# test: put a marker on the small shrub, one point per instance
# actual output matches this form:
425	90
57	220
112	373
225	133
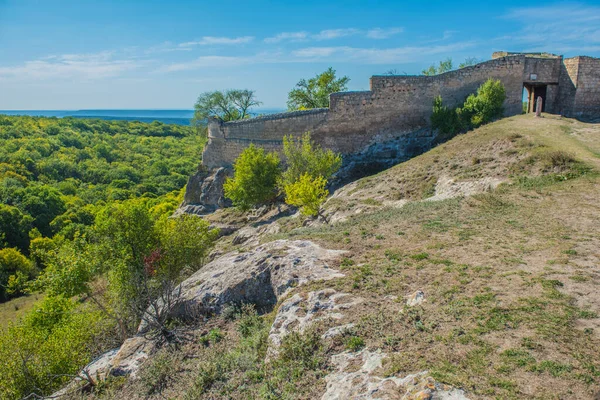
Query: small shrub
305	157
355	343
420	256
308	193
485	106
444	119
254	179
478	109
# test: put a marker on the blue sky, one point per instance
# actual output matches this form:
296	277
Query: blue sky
75	54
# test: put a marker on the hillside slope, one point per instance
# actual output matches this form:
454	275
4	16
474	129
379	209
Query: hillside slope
492	237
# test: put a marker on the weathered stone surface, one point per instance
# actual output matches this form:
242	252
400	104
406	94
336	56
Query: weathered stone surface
259	276
448	188
250	235
415	299
95	371
304	309
131	356
366	382
204	192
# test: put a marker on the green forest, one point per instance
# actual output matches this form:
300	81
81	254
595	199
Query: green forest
84	207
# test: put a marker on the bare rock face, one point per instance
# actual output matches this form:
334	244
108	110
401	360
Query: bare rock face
304	309
260	276
204	192
96	371
130	357
366	381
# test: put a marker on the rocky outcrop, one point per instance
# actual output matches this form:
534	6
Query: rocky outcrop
130	357
204	192
259	276
304	309
366	382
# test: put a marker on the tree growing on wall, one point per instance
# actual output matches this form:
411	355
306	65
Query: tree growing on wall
443	66
469	61
229	105
314	93
447	65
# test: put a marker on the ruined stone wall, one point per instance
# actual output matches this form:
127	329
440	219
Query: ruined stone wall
587	96
228	139
566	86
396	109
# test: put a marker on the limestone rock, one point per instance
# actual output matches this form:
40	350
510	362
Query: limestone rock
96	371
259	276
204	192
448	188
415	299
366	382
304	309
130	357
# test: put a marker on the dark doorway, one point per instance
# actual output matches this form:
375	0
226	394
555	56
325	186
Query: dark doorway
535	91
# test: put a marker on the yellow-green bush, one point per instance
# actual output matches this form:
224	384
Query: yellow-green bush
308	193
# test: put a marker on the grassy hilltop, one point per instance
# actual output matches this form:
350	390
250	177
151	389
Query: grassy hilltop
510	277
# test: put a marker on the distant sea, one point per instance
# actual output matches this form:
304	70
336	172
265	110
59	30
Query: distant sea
179	117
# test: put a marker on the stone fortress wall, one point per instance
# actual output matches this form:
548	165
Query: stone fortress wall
390	122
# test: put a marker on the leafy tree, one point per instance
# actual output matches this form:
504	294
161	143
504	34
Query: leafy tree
305	157
14	227
443	66
478	109
229	105
44	203
308	193
49	347
315	92
445	119
469	61
14	267
255	177
486	105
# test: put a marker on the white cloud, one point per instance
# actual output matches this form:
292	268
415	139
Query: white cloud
216	40
214	61
377	55
323	54
71	67
287	36
329	34
379	33
557	28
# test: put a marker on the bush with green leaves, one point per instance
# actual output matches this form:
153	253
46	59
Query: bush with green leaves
15	271
481	108
48	347
141	256
303	156
308	193
309	167
486	105
444	118
255	177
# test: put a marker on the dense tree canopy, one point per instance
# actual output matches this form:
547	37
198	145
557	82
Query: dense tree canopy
53	172
314	93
